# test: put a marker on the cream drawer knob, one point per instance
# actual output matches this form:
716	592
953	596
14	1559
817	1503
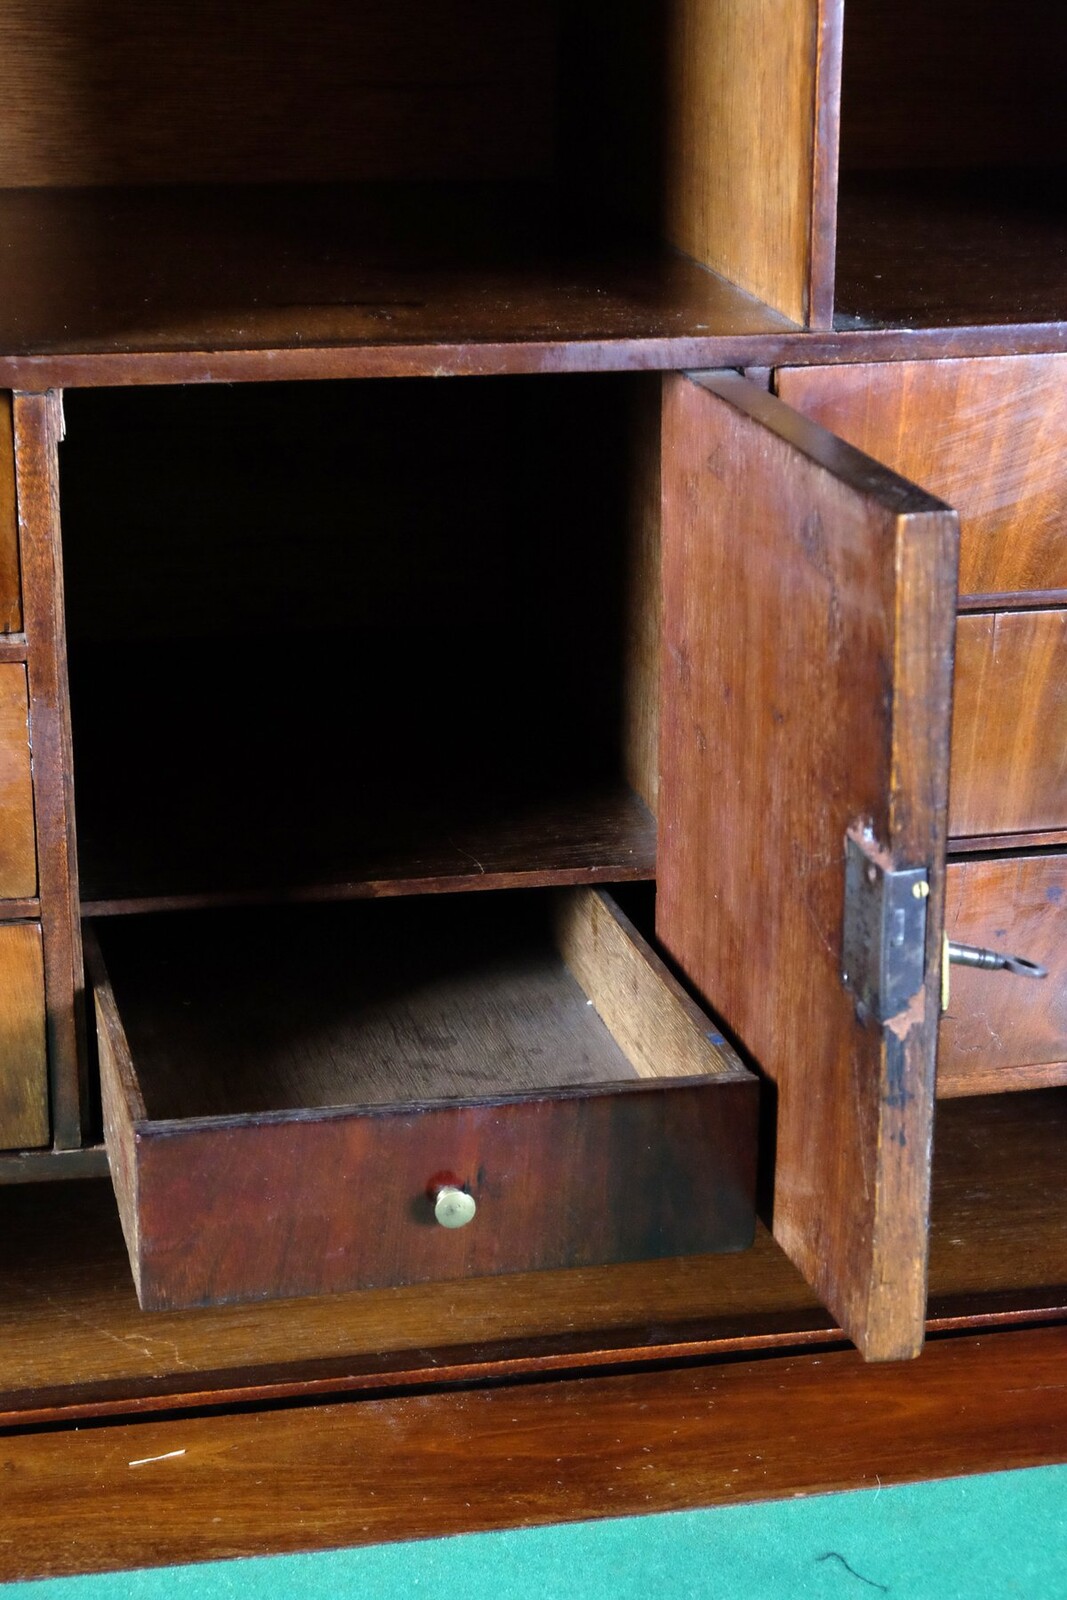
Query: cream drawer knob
453	1207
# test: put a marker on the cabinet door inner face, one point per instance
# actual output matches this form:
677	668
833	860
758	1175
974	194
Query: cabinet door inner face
808	611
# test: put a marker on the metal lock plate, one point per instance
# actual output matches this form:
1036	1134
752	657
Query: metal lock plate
883	952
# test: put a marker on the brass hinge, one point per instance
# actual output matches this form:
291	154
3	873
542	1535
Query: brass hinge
883	951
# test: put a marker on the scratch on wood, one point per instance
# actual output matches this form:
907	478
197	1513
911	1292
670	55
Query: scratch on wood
912	1016
167	1455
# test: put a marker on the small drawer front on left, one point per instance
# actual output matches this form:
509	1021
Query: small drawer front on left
10	592
18	852
313	1099
24	1122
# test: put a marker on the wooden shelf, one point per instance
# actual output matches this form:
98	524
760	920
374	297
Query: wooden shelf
72	1339
264	267
132	862
951	249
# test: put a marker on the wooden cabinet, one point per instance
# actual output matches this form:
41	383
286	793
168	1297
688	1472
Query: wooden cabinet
476	466
985	434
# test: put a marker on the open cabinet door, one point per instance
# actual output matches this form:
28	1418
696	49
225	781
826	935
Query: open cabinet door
809	604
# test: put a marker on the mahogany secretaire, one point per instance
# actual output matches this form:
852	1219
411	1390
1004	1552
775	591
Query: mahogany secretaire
533	761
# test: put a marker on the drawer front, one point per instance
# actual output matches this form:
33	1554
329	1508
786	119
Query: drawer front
1009	732
10	593
257	1150
18	854
989	436
1002	1031
23	1062
312	1207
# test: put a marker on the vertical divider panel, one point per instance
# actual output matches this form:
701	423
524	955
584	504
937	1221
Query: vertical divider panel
38	429
750	151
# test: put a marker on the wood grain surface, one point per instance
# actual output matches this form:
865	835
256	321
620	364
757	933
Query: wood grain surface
10	596
38	428
18	845
989	437
662	1031
24	1120
405	264
239	1085
1002	1031
809	600
73	1341
1009	725
699	119
739	153
643	601
930	249
211	1486
142	94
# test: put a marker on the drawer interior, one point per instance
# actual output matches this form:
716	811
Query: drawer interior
400	1002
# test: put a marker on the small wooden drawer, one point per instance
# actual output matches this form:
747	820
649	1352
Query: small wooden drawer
988	436
18	849
10	588
24	1122
1002	1031
286	1095
1009	730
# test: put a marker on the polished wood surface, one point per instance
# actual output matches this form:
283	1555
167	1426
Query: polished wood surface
365	1472
588	833
18	846
187	269
270	1083
642	593
38	427
10	597
75	1343
1009	726
660	1029
53	1166
809	599
24	1119
944	249
989	437
1002	1031
739	146
317	92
